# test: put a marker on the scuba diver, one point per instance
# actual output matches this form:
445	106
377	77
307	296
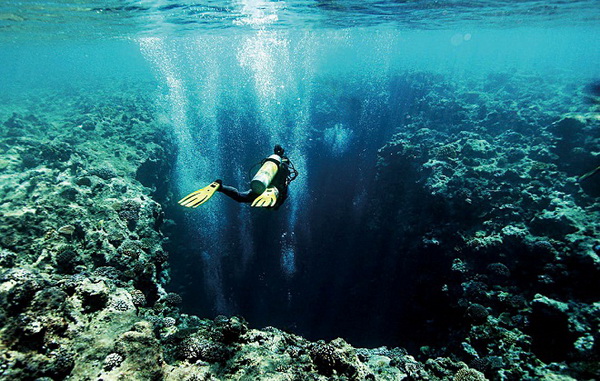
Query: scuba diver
268	188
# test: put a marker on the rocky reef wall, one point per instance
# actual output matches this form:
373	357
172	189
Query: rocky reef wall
81	242
496	230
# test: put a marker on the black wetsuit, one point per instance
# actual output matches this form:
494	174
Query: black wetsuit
280	181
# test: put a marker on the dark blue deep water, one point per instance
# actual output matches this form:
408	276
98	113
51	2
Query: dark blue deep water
355	252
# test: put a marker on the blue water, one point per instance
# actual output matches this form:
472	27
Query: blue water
231	79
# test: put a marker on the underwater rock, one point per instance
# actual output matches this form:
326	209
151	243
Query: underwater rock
66	261
105	173
56	152
552	339
553	223
477	313
29	160
141	353
88	125
567	127
20	291
7	258
193	349
18	125
466	374
84	181
94	296
477	148
337	357
230	329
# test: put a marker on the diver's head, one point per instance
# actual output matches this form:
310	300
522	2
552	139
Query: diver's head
278	150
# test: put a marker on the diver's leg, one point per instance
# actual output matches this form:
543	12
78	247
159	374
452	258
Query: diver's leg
236	195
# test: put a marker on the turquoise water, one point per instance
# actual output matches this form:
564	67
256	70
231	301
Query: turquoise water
101	19
231	79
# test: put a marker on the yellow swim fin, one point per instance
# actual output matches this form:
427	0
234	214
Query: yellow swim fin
200	196
267	199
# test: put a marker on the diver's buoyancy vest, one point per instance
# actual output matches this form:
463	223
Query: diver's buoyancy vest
265	174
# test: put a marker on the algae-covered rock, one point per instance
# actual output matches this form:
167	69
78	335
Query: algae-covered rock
337	357
554	224
139	347
477	148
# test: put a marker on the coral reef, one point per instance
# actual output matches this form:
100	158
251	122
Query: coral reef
81	247
484	184
503	193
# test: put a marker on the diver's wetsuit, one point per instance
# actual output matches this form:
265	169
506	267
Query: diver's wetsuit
231	192
280	181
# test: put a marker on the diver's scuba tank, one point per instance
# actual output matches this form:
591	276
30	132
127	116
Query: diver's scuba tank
265	174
